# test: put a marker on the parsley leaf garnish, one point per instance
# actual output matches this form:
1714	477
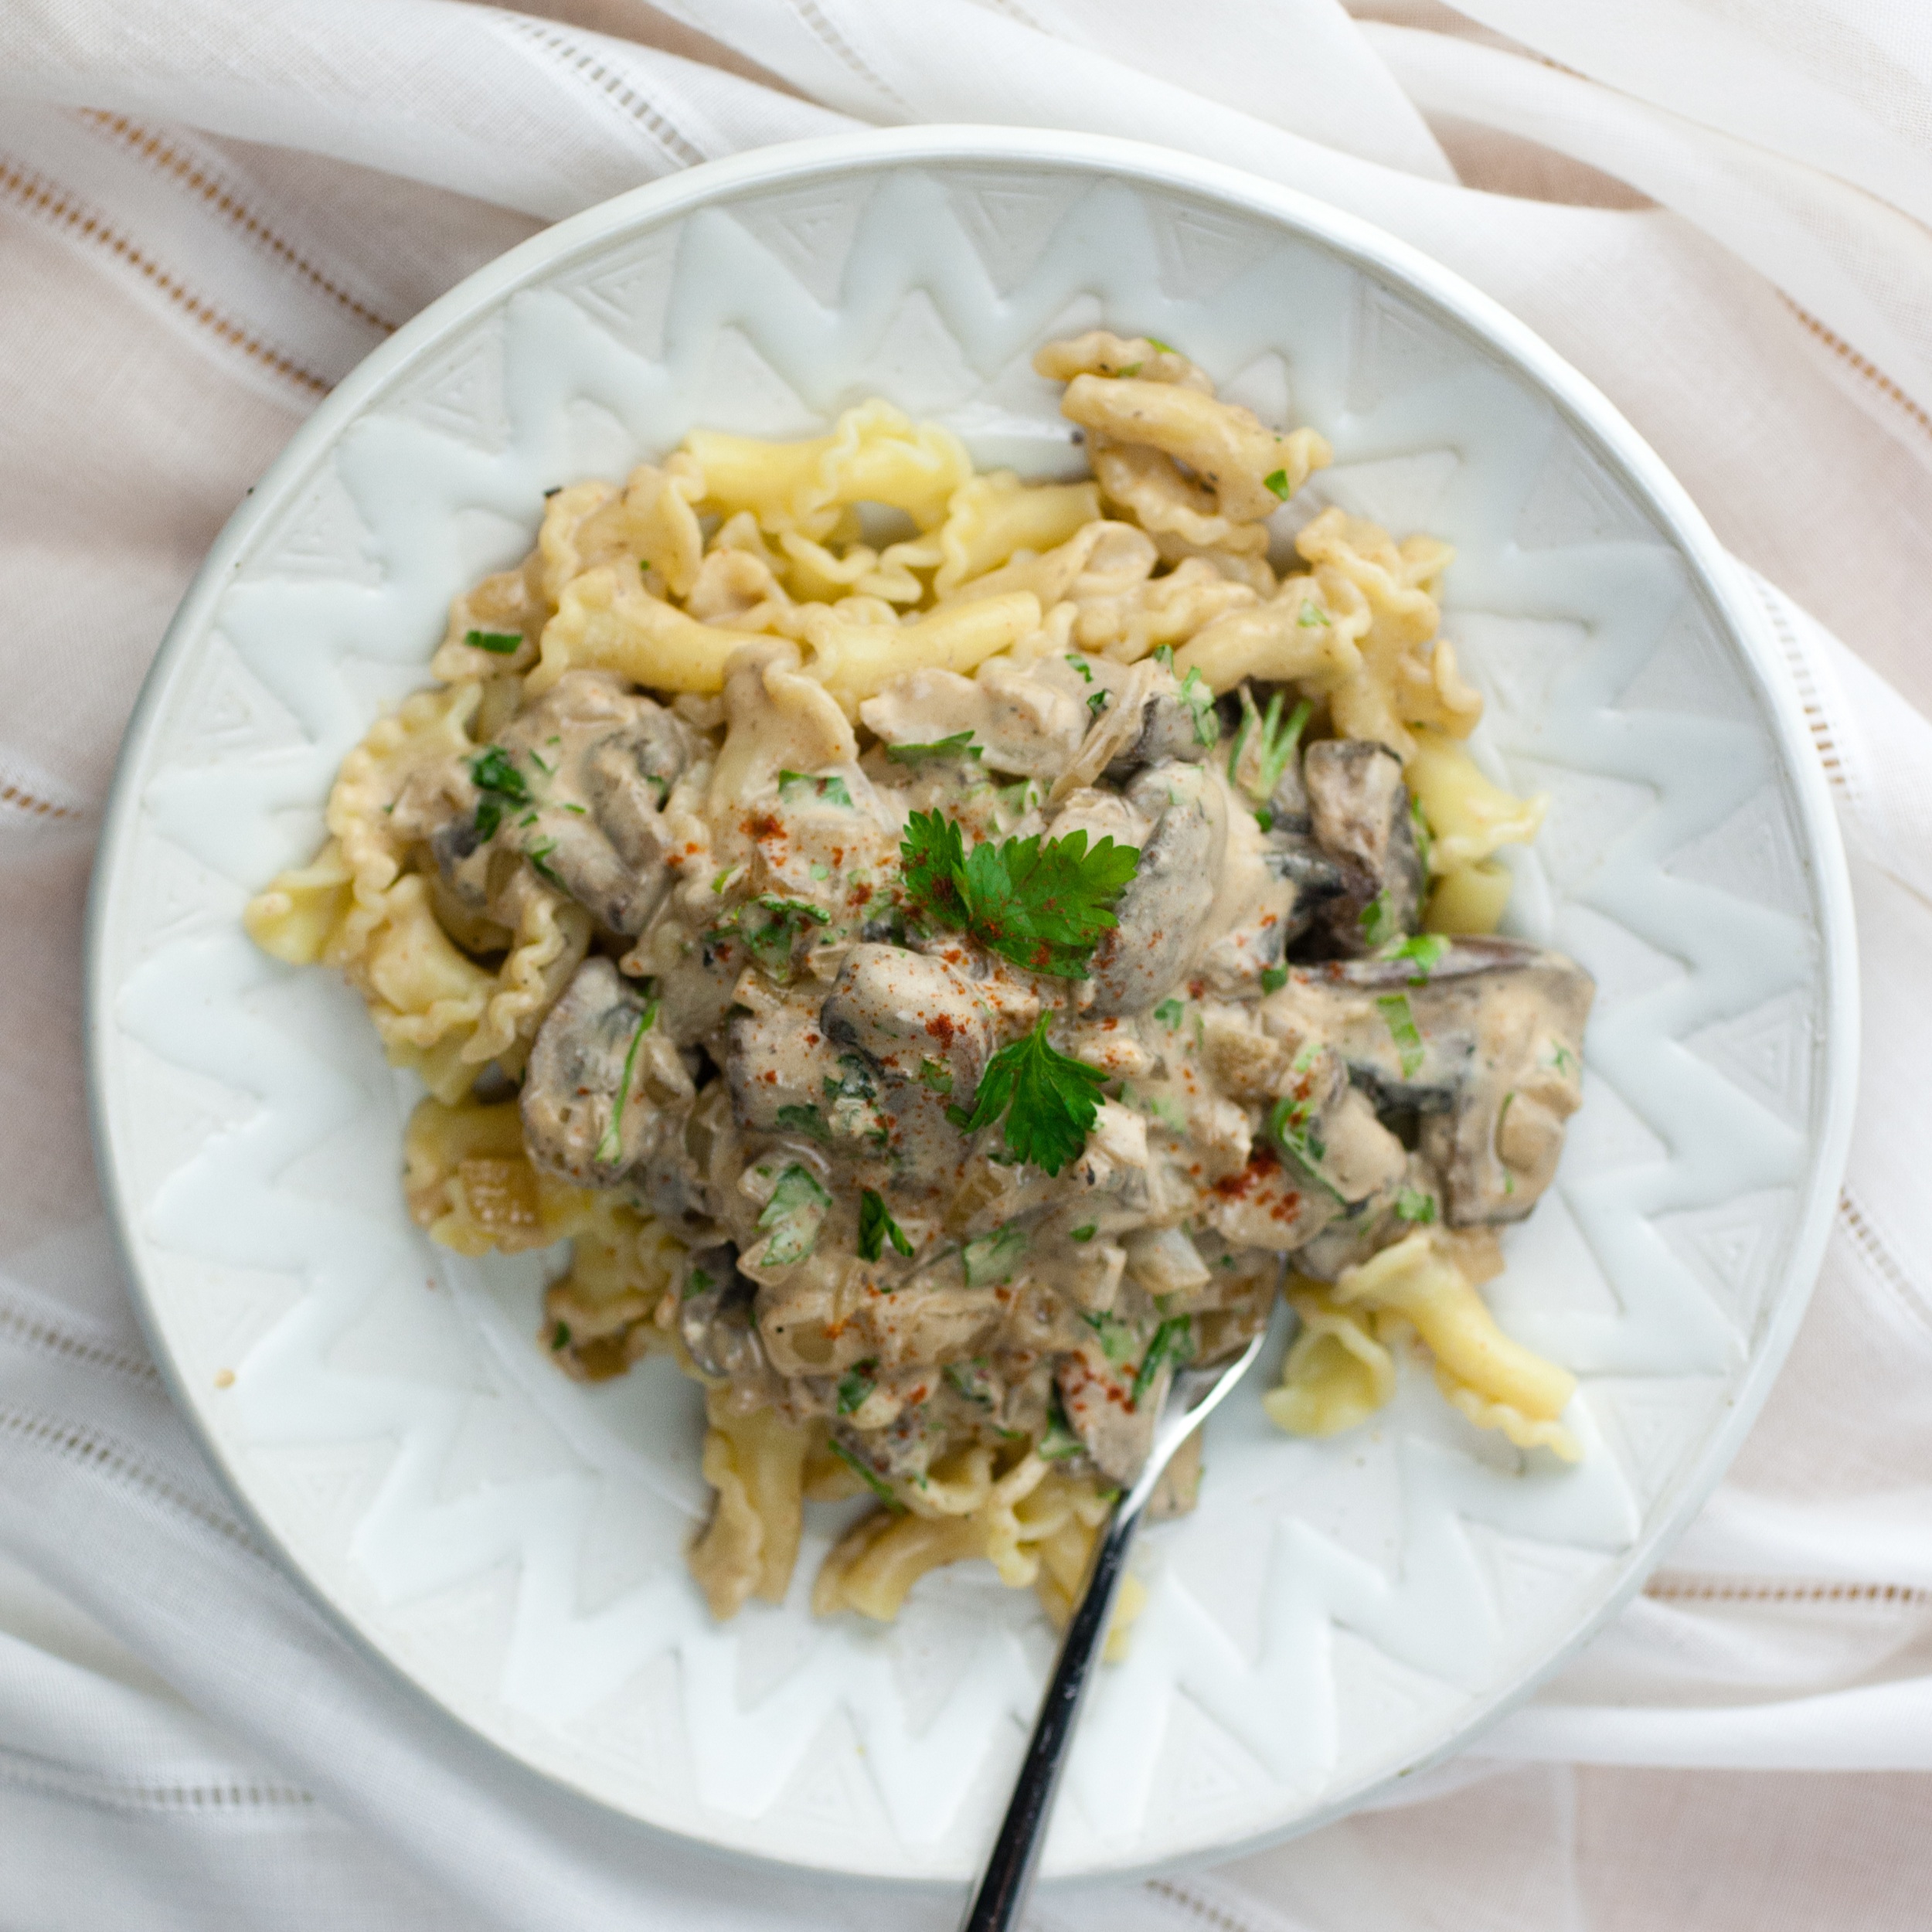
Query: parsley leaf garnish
538	855
610	1142
559	1337
1401	1023
1377	920
864	1472
1425	950
773	938
1413	1205
1277	480
829	786
495	770
1050	1101
1155	341
1130	369
1117	1337
990	1258
1058	1441
792	1217
855	1385
959	746
1086	1233
499	644
877	1227
1198	697
806	1119
1044	904
1274	748
1170	1013
1312	616
1173	1341
1274	978
1080	664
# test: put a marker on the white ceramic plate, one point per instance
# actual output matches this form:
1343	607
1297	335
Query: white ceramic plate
1335	1613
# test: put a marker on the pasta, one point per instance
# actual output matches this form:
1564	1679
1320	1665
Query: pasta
946	952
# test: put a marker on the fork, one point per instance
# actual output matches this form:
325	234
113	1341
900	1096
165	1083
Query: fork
1008	1875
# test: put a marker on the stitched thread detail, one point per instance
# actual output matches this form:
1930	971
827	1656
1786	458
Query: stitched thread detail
1699	1590
34	195
614	86
1879	1258
151	148
27	1330
82	1445
1816	720
115	1795
14	799
1860	365
828	36
1198	1909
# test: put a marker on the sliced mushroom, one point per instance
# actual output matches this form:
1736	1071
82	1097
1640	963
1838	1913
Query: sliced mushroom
603	1088
1359	809
716	1313
1169	730
1168	900
787	1077
1484	1042
1116	1429
914	1018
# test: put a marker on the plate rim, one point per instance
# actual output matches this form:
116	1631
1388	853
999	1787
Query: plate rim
1453	299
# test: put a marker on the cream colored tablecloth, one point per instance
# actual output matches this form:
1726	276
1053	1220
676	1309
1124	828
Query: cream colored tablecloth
211	210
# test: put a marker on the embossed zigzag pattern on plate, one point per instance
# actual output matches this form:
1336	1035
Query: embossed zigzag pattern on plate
1334	1611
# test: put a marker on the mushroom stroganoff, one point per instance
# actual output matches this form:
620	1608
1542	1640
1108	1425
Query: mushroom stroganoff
948	953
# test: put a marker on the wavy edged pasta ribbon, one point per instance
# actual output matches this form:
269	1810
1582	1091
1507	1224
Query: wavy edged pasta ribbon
356	907
1342	1367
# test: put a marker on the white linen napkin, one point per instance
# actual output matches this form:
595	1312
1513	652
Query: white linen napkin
211	210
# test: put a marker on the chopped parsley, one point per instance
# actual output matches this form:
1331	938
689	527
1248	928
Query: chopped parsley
1164	656
1170	1013
538	855
959	746
1050	1101
1425	839
772	939
1080	664
1275	744
1198	697
792	1217
1044	904
610	1142
877	1227
1424	951
936	1077
499	644
501	784
1277	480
559	1337
698	1281
1173	1341
1401	1022
1274	978
866	1472
1059	1442
807	1120
1155	341
1117	1337
1377	920
855	1385
1312	617
1086	1233
1132	369
1097	701
970	1379
828	786
990	1258
1413	1205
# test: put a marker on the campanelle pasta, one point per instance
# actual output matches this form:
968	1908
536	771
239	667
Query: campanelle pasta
945	952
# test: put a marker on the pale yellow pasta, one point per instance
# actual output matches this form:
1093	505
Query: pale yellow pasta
607	622
1527	1432
470	1185
1417	1280
1246	469
1308	631
1469	816
1336	1374
295	915
994	517
873	454
1471	898
857	661
756	1463
759	594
